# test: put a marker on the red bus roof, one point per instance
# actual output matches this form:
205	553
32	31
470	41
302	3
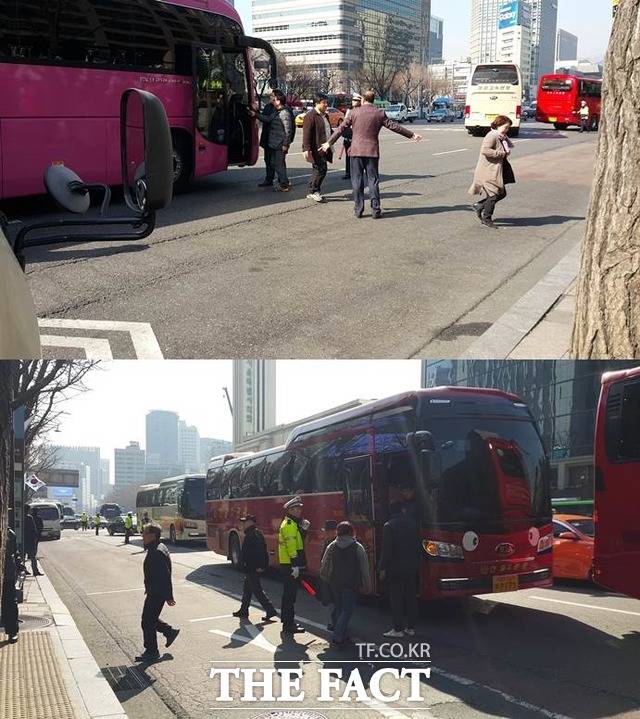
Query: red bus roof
398	400
569	76
616	375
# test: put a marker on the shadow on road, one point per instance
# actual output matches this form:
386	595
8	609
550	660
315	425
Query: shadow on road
536	221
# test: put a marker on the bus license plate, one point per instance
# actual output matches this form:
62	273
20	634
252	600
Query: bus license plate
491	117
508	583
553	119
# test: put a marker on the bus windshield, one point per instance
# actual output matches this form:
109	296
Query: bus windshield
486	472
46	511
492	74
557	85
193	499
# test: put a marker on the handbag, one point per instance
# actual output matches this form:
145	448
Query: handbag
508	176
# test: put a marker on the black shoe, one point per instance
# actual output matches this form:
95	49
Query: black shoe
357	215
376	215
269	616
488	222
478	207
241	615
171	637
330	627
39	574
295	629
265	184
13	640
147	657
346	177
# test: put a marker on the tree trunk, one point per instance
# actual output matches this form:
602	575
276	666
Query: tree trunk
607	321
6	458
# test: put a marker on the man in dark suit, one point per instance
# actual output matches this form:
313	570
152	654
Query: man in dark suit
254	560
316	130
31	538
366	122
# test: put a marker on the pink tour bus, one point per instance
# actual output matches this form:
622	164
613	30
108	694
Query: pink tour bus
64	65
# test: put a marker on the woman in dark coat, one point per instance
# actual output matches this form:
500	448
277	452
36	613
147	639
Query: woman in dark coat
12	564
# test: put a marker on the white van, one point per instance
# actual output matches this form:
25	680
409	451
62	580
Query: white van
51	514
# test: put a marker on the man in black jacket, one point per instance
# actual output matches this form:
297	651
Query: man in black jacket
31	538
12	565
158	590
254	559
400	566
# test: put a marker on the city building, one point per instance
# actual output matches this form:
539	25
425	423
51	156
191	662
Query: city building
544	26
105	485
162	438
254	397
341	38
87	461
483	45
188	447
277	435
210	447
436	36
566	46
451	78
129	466
514	36
562	396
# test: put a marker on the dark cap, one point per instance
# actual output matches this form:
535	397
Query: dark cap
246	517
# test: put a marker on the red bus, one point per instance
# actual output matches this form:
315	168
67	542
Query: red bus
559	98
617	490
64	65
470	463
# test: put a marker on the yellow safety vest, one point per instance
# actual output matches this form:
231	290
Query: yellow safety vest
289	542
128	522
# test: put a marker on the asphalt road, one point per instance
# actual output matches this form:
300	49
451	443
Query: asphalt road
572	651
238	271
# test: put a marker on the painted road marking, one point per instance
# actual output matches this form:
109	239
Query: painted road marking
586	606
94	349
142	337
208	619
115	591
255	637
449	152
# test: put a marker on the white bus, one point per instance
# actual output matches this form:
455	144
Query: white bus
50	513
177	505
494	89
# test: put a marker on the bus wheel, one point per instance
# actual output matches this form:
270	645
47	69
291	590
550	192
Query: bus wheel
182	162
559	125
234	551
172	535
514	132
595	123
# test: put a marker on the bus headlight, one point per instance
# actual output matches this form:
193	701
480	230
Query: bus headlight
545	543
444	550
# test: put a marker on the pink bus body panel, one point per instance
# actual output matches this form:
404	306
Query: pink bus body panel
73	118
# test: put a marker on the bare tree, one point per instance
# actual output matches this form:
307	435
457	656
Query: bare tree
40	387
607	320
410	79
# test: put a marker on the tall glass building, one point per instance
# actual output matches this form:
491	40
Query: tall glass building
343	36
562	396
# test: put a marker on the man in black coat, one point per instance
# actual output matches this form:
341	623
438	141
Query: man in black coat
400	566
254	559
31	539
12	565
158	590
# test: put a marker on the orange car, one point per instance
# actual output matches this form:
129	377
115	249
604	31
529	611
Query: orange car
335	117
572	546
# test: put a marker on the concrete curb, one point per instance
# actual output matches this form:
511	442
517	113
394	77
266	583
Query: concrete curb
97	698
501	339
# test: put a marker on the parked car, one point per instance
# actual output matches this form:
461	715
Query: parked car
573	546
412	114
397	112
440	114
116	525
69	521
335	117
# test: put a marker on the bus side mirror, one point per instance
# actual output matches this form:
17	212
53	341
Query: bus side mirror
421	441
147	160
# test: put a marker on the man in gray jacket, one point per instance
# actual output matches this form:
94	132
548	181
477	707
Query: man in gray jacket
280	130
345	568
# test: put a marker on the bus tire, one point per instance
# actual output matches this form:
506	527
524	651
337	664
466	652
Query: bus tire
234	551
560	125
595	123
514	132
182	161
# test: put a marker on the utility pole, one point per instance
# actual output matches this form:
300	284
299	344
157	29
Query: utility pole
226	392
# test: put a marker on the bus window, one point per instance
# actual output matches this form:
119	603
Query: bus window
356	480
250	480
211	98
623	436
193	499
275	475
495	74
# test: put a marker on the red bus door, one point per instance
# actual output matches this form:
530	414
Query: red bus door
617	487
358	500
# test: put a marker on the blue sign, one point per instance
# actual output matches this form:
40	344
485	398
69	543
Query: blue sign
508	14
61	491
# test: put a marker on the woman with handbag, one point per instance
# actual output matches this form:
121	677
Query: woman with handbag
493	171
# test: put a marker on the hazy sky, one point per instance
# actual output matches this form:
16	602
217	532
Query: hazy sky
590	20
113	412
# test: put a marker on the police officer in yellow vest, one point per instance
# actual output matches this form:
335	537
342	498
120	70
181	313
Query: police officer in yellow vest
292	561
128	527
84	520
97	521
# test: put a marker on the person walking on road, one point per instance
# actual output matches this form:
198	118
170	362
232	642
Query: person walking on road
585	117
97	521
347	137
366	122
399	566
9	605
493	170
128	527
158	591
292	561
316	130
31	541
345	568
254	560
83	521
280	134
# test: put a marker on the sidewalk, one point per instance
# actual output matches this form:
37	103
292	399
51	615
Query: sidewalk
539	325
50	673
